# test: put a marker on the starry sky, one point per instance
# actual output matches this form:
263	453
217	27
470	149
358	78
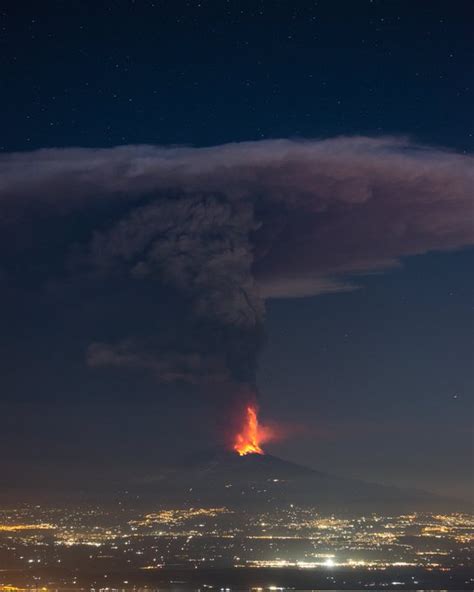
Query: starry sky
374	382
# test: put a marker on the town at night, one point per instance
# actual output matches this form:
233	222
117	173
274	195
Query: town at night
88	546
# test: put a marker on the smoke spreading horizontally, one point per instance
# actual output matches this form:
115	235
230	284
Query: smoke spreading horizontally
228	227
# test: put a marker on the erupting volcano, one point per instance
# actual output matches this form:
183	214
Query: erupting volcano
251	435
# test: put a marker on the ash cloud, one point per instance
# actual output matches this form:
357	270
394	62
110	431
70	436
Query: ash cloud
170	366
229	227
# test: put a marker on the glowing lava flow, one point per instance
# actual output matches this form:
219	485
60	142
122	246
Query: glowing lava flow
248	440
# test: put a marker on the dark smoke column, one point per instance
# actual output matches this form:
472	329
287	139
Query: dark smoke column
199	245
295	218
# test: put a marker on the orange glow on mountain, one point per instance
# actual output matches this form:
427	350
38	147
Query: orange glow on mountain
251	435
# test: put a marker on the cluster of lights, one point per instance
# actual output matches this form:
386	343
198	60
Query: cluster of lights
196	536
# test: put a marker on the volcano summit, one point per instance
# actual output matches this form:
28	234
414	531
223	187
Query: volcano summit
258	480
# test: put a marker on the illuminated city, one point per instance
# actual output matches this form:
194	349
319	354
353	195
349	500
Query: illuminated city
42	546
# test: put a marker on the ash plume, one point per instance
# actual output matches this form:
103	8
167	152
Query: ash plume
227	228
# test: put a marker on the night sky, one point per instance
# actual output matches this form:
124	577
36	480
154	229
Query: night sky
371	370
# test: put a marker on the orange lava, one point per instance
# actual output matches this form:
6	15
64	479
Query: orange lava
252	435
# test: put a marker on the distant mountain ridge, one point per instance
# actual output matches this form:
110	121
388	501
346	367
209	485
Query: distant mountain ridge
225	478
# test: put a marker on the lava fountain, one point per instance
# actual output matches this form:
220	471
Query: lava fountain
252	434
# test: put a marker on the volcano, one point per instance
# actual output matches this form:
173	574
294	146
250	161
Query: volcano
225	478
